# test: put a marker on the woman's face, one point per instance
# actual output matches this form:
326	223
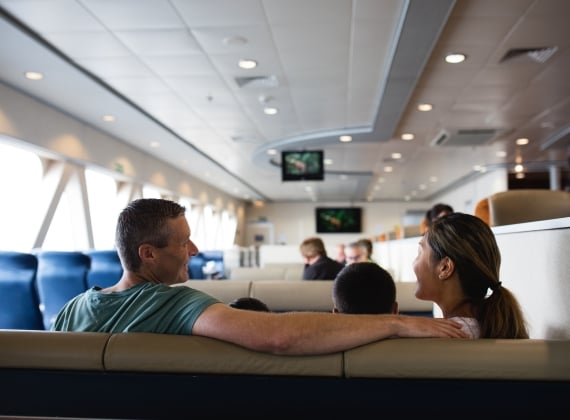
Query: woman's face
425	270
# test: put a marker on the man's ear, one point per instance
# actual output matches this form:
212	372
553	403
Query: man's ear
446	268
146	252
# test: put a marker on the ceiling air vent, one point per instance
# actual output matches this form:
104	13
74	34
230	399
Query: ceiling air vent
463	137
540	54
257	82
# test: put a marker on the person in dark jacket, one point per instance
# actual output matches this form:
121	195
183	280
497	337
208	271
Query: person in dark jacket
318	266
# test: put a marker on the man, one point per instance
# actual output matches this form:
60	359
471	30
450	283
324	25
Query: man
318	266
154	245
356	252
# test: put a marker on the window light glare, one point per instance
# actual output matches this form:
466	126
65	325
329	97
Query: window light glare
455	58
247	64
34	75
345	139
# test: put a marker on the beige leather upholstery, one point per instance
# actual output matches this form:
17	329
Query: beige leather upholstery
407	300
453	358
52	350
294	295
139	352
422	358
224	290
518	206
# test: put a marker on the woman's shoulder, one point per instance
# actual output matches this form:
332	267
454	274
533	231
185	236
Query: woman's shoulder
470	326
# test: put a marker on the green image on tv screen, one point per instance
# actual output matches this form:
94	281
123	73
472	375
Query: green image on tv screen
339	220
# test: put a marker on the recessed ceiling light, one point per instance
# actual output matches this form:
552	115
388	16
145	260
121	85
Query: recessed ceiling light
522	141
33	75
501	153
108	118
247	64
425	107
407	136
235	40
345	139
272	152
388	169
422	186
269	110
328	161
396	155
154	144
519	168
455	58
433	179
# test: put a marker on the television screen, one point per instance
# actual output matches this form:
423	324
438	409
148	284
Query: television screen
306	165
339	219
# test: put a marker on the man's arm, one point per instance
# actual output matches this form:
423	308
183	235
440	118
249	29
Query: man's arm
298	333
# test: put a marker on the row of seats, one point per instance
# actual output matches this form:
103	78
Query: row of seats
34	286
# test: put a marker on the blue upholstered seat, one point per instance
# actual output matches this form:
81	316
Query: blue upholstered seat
106	269
19	302
61	276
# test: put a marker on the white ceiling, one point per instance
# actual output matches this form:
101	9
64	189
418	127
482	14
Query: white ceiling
167	70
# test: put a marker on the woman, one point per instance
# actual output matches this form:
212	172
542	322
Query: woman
457	265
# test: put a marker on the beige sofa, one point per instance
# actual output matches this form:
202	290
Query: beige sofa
304	295
138	375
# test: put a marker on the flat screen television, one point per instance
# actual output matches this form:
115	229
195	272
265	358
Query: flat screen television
339	219
306	165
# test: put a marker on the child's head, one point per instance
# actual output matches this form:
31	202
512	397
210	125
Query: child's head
364	288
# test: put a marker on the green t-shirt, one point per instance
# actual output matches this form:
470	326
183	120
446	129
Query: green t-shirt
146	307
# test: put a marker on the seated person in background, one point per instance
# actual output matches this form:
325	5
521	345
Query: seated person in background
154	246
249	303
364	288
318	266
458	262
367	244
356	252
436	212
340	255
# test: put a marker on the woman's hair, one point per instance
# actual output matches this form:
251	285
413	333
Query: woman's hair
311	247
471	245
364	288
144	221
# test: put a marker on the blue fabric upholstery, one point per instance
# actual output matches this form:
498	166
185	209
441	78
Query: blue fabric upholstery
61	276
19	302
106	269
195	267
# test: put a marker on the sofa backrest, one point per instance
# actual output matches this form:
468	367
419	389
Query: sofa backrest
425	358
304	295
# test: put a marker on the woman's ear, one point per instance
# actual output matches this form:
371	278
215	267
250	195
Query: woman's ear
446	267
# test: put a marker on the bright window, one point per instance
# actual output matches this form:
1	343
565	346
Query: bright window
103	206
20	181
